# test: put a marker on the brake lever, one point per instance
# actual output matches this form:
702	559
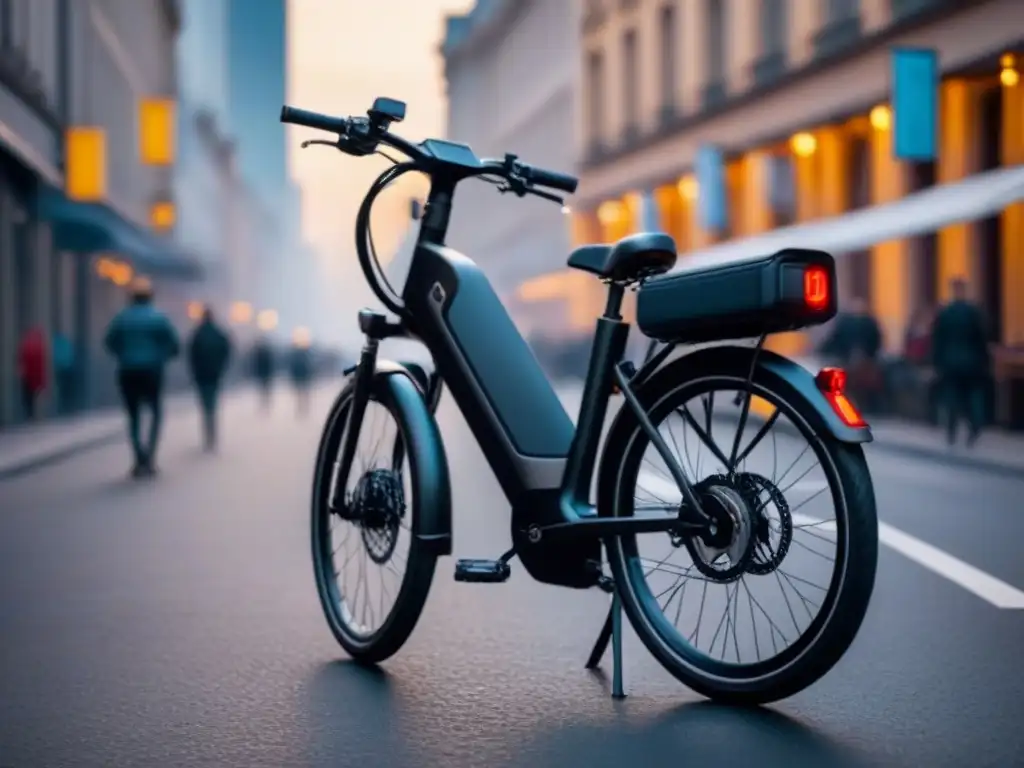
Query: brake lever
547	196
325	142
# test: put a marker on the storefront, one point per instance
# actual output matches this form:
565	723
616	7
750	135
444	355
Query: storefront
813	161
30	130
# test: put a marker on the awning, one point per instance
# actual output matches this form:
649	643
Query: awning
97	228
977	197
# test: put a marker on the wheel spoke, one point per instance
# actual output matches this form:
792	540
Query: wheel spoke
780	577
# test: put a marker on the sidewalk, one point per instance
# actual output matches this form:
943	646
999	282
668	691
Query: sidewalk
996	451
26	448
30	446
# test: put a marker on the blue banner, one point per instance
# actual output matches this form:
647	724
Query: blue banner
712	198
915	102
649	215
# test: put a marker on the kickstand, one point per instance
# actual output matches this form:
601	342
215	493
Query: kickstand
611	631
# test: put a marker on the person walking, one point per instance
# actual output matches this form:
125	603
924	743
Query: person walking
263	369
209	351
960	356
142	340
300	366
31	370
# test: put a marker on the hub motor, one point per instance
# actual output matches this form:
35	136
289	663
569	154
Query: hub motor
723	550
378	504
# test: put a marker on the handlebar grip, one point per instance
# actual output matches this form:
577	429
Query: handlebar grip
553	180
315	120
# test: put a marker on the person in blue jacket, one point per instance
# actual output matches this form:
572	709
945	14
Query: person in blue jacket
142	340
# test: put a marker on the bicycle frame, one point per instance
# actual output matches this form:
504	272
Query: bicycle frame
544	465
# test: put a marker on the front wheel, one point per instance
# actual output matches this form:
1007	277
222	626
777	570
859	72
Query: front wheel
372	574
767	601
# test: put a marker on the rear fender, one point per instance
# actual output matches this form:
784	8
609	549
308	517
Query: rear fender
424	447
773	371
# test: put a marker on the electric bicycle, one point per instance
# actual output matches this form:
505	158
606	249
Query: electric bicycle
578	519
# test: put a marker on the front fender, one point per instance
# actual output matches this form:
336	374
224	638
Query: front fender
424	447
773	371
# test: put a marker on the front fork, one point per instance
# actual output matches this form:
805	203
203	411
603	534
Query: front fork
362	383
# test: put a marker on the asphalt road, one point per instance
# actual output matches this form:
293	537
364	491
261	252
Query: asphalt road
175	623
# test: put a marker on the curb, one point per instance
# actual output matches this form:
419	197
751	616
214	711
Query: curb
938	456
104	438
958	461
34	463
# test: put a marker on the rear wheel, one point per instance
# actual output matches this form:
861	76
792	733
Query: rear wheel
372	574
794	581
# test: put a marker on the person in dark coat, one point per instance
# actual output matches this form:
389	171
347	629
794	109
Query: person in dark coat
263	369
209	351
300	366
856	343
960	355
142	340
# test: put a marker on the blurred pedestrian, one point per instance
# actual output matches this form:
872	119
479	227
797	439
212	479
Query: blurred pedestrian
263	369
64	372
300	365
31	370
142	340
856	343
209	351
961	358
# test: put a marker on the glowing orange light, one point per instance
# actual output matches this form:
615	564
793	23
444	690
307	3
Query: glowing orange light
816	288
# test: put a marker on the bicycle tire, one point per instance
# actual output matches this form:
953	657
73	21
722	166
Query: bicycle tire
815	653
393	633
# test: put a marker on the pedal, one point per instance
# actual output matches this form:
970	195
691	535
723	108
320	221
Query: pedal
482	571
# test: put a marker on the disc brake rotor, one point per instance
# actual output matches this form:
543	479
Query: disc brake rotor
379	502
761	494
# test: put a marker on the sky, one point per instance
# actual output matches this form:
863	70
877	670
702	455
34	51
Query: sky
342	54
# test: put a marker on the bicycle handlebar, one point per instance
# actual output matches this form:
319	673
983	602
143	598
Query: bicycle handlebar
374	132
320	122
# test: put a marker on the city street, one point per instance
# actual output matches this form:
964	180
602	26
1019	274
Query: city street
174	622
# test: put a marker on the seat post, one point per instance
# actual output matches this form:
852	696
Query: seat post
613	307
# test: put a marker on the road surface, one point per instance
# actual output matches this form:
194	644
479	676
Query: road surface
175	623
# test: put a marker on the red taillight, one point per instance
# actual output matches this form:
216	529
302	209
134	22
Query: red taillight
816	288
832	383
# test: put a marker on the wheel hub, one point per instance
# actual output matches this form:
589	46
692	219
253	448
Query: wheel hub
722	551
378	502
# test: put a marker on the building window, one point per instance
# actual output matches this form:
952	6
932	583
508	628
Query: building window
841	10
6	24
771	64
840	27
715	54
630	83
593	15
773	26
668	60
595	98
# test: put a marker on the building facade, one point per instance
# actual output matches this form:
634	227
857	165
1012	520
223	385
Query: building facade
511	71
33	112
794	97
118	213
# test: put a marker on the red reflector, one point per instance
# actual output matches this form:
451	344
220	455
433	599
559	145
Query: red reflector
832	383
816	288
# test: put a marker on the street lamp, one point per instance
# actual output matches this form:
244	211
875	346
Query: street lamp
302	338
241	312
267	320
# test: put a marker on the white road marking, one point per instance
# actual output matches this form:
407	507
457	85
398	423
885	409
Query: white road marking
990	589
